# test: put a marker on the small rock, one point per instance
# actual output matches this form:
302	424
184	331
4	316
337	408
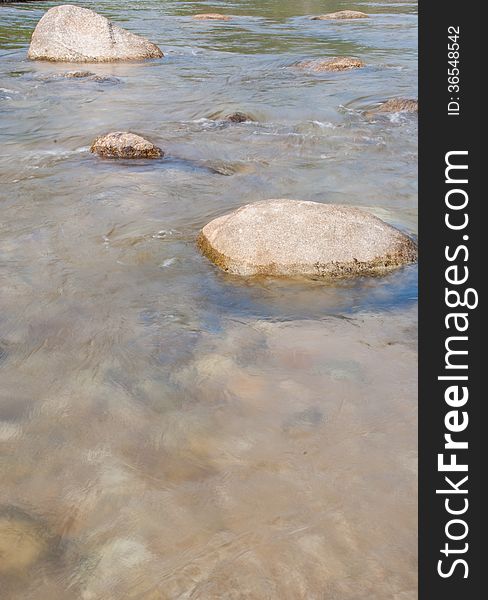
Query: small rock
298	238
238	117
211	17
78	74
121	144
398	105
74	34
88	75
344	63
341	14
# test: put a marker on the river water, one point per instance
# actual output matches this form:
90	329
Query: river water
168	431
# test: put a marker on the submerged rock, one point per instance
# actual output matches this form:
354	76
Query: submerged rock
398	105
341	14
299	238
3	351
89	76
231	168
74	34
238	117
78	74
122	144
344	63
23	542
211	17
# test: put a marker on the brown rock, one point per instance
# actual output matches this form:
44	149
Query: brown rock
344	63
238	117
78	74
342	14
89	76
212	17
74	34
298	238
399	105
121	144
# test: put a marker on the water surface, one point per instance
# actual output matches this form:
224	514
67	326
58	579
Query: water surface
166	430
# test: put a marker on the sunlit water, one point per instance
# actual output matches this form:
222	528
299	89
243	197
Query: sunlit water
168	431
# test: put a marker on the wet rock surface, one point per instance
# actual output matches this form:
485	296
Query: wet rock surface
122	144
89	76
398	105
344	63
211	17
238	117
342	14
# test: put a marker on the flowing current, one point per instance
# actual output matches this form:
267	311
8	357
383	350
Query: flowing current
168	431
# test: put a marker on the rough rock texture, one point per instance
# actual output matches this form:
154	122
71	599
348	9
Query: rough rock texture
212	17
298	238
342	14
344	63
238	117
78	74
74	34
398	105
121	144
89	76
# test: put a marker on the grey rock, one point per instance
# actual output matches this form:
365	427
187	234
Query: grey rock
298	238
74	34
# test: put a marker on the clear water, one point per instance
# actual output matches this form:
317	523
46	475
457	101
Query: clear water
166	430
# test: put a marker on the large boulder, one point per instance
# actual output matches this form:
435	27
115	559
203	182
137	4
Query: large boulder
298	238
342	63
122	144
74	34
341	14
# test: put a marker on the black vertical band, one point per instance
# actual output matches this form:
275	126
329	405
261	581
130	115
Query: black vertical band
452	262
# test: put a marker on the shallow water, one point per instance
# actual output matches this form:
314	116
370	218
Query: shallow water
166	430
